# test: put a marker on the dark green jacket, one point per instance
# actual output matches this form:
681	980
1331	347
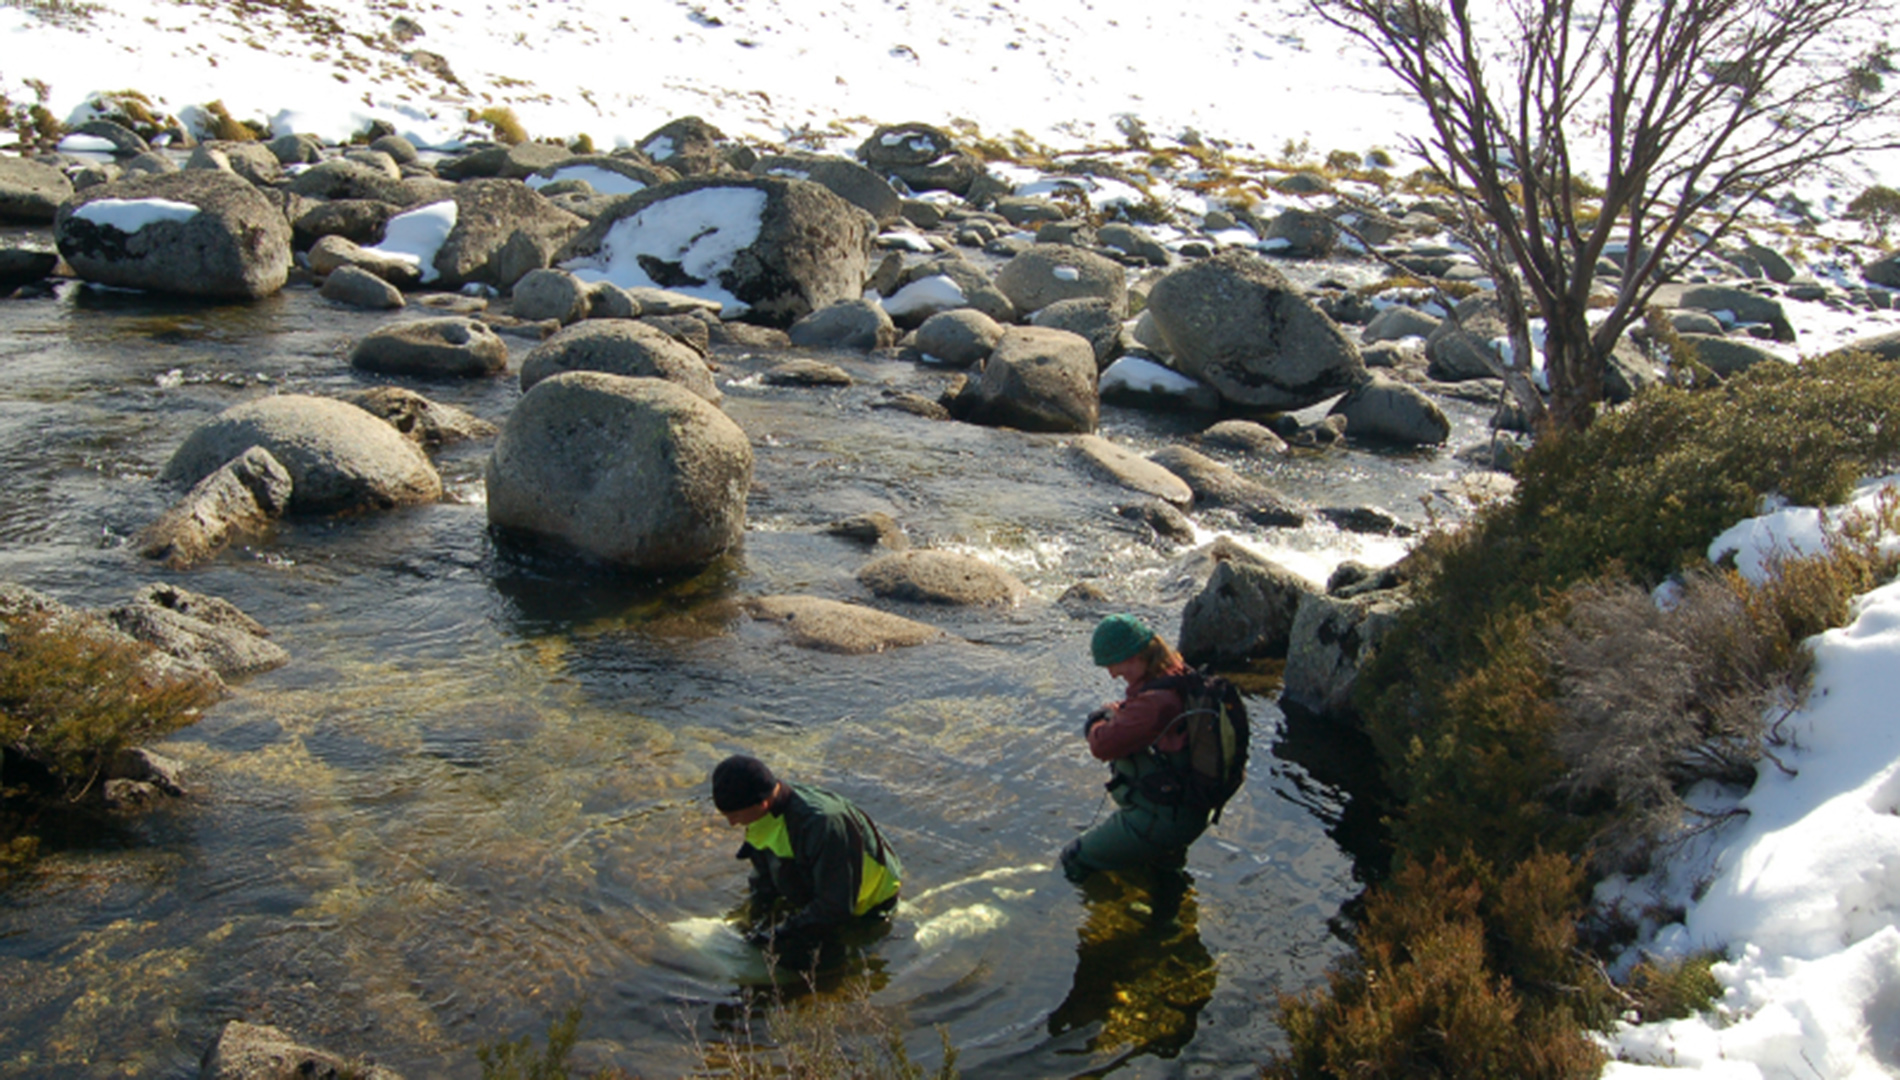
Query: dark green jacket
823	857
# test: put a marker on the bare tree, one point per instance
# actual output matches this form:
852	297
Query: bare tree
1683	113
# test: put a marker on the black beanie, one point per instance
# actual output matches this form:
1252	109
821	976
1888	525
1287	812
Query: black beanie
740	782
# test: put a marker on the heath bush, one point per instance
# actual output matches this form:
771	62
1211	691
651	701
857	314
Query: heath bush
72	695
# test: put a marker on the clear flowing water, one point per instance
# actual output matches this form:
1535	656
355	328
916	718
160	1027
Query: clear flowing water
476	796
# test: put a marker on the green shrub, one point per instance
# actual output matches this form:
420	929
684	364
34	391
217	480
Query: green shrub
1674	990
1451	977
72	696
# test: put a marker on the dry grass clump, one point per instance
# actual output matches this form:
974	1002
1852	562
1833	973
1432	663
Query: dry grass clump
504	123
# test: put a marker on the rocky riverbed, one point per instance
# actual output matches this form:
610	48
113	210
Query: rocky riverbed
556	476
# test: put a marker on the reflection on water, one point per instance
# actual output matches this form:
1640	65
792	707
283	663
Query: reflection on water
477	794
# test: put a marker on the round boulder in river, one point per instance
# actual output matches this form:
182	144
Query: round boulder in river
194	233
31	191
1047	273
1036	380
450	345
620	347
338	456
1236	323
640	472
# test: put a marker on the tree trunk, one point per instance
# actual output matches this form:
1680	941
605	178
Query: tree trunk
1574	368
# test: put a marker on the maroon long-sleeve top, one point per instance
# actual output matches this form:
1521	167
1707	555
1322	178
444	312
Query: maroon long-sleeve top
1140	720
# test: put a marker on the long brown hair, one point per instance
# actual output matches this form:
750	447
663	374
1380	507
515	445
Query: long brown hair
1157	656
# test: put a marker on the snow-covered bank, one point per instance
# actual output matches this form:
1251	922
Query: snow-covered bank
1067	74
1803	893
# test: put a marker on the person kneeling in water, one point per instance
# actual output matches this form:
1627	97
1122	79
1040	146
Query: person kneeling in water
1153	823
813	854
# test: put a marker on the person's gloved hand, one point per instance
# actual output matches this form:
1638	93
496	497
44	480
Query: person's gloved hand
1096	717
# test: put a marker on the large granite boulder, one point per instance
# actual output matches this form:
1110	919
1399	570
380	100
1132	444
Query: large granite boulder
847	324
1236	323
845	178
357	287
502	230
1331	641
1468	347
1035	380
341	178
31	191
1046	273
513	162
605	173
332	253
946	283
551	294
620	347
688	145
1886	346
1727	355
771	250
1884	271
193	233
1389	411
1092	317
1397	323
1742	305
640	472
1244	612
252	161
924	157
339	457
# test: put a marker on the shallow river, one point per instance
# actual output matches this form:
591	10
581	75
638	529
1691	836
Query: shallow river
476	796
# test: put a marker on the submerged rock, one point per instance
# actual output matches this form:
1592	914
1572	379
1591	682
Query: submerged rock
941	577
247	1051
1125	467
832	626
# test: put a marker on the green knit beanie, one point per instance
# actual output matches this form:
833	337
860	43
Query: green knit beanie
1119	637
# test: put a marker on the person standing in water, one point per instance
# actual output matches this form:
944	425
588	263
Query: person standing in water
819	864
1154	820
